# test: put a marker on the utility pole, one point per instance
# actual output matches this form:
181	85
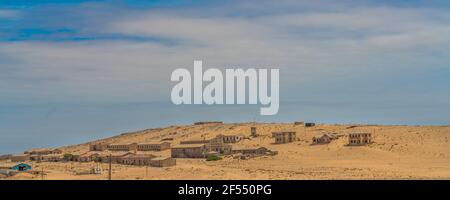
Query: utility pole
110	165
42	172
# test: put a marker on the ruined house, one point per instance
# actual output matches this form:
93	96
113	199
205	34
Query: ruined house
136	159
214	143
254	151
324	138
123	147
358	139
43	151
20	158
153	146
162	162
230	138
253	132
115	157
88	157
284	137
310	124
189	151
98	146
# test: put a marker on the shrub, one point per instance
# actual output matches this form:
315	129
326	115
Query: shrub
213	158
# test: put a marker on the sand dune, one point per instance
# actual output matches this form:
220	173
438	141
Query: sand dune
398	152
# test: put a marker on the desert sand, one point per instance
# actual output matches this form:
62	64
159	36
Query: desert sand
397	152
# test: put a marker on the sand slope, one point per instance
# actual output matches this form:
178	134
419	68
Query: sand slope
398	152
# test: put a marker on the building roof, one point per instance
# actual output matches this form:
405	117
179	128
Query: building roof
188	146
129	143
153	143
161	158
137	156
16	155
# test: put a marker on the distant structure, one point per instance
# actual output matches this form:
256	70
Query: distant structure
5	157
324	138
98	146
252	152
20	158
230	138
153	146
358	139
299	123
208	123
43	151
189	151
310	124
162	162
136	159
284	137
123	147
253	131
218	143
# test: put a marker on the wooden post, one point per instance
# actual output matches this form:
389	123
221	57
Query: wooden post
110	165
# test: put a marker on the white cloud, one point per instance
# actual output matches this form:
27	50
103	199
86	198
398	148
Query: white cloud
308	47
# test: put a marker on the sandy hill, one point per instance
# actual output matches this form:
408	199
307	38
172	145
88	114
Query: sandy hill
398	152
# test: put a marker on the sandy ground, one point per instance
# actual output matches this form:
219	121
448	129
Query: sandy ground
398	152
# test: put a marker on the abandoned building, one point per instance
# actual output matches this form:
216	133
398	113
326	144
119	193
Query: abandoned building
20	158
53	158
162	162
357	139
208	123
254	151
310	124
299	123
324	138
189	151
230	138
115	157
43	151
215	143
98	146
123	147
136	159
153	146
253	132
284	137
88	157
5	157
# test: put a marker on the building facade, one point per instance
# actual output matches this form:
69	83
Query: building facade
137	159
284	137
153	146
189	151
358	139
163	162
123	147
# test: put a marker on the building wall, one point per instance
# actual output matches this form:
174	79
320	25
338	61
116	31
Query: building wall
163	163
154	147
356	139
284	137
123	147
188	152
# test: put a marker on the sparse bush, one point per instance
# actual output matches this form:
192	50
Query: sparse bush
68	157
213	158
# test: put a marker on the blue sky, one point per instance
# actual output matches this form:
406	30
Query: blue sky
73	71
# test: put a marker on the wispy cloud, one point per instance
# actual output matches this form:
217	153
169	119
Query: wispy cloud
9	13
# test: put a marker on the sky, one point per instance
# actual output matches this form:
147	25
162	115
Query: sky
72	71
